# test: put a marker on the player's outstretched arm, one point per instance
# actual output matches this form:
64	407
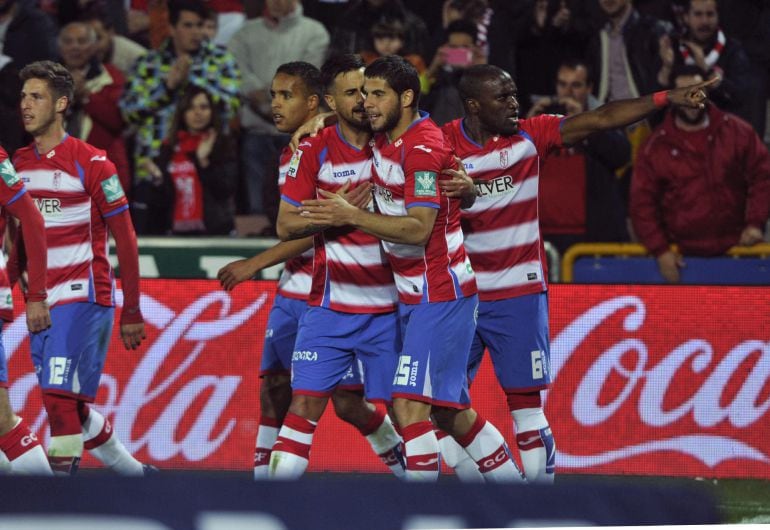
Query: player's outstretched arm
411	229
131	321
626	111
38	315
460	186
243	269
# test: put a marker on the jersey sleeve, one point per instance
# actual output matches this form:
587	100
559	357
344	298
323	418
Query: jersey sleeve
544	131
422	170
302	173
103	184
11	187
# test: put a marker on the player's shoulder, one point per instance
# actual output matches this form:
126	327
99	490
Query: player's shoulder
23	154
85	153
426	137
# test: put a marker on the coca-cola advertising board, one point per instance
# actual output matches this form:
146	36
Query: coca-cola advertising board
648	380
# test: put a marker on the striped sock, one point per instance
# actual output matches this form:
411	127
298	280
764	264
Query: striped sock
421	452
291	451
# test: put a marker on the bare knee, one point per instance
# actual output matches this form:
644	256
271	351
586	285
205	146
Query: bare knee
351	407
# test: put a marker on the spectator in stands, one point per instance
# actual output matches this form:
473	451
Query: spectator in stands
281	36
388	38
705	45
230	17
160	78
111	48
580	196
196	172
477	11
749	22
458	53
701	181
93	115
11	133
210	25
352	31
26	33
548	33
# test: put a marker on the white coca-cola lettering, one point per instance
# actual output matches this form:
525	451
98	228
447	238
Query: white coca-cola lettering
656	382
162	438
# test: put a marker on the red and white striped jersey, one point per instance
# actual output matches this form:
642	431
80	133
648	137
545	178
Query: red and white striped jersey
297	273
11	188
75	187
406	175
351	273
502	232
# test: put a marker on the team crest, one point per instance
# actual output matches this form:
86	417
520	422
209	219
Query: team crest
56	180
425	184
503	159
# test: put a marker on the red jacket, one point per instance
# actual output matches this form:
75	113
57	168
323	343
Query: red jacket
701	201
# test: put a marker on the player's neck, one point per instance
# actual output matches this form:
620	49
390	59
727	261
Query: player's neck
49	139
475	131
355	137
408	117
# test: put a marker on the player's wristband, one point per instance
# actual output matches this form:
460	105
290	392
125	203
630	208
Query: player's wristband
660	99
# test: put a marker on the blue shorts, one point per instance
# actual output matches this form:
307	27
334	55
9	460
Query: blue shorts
3	361
433	364
332	347
280	334
515	330
69	356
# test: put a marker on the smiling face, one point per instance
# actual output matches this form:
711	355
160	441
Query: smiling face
290	103
39	109
497	108
347	99
382	104
77	43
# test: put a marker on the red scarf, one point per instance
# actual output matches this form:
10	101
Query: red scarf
188	200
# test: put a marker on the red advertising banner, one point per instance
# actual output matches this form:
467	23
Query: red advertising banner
647	380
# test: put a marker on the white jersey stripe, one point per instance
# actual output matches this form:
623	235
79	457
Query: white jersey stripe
521	274
68	216
374	296
61	292
69	255
347	254
503	238
54	181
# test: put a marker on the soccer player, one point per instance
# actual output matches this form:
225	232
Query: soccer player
420	230
19	445
502	154
80	198
295	92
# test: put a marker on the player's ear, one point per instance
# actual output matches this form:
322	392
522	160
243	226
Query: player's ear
62	103
313	102
330	102
407	98
472	105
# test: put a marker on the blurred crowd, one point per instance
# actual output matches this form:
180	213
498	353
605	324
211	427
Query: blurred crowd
178	94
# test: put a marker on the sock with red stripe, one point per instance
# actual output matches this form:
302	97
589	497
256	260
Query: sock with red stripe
458	459
24	452
536	444
484	443
100	440
267	434
66	446
385	441
421	452
291	451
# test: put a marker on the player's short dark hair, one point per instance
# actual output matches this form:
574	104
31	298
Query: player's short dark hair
175	8
339	64
463	26
57	77
310	75
474	77
399	74
574	63
680	69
